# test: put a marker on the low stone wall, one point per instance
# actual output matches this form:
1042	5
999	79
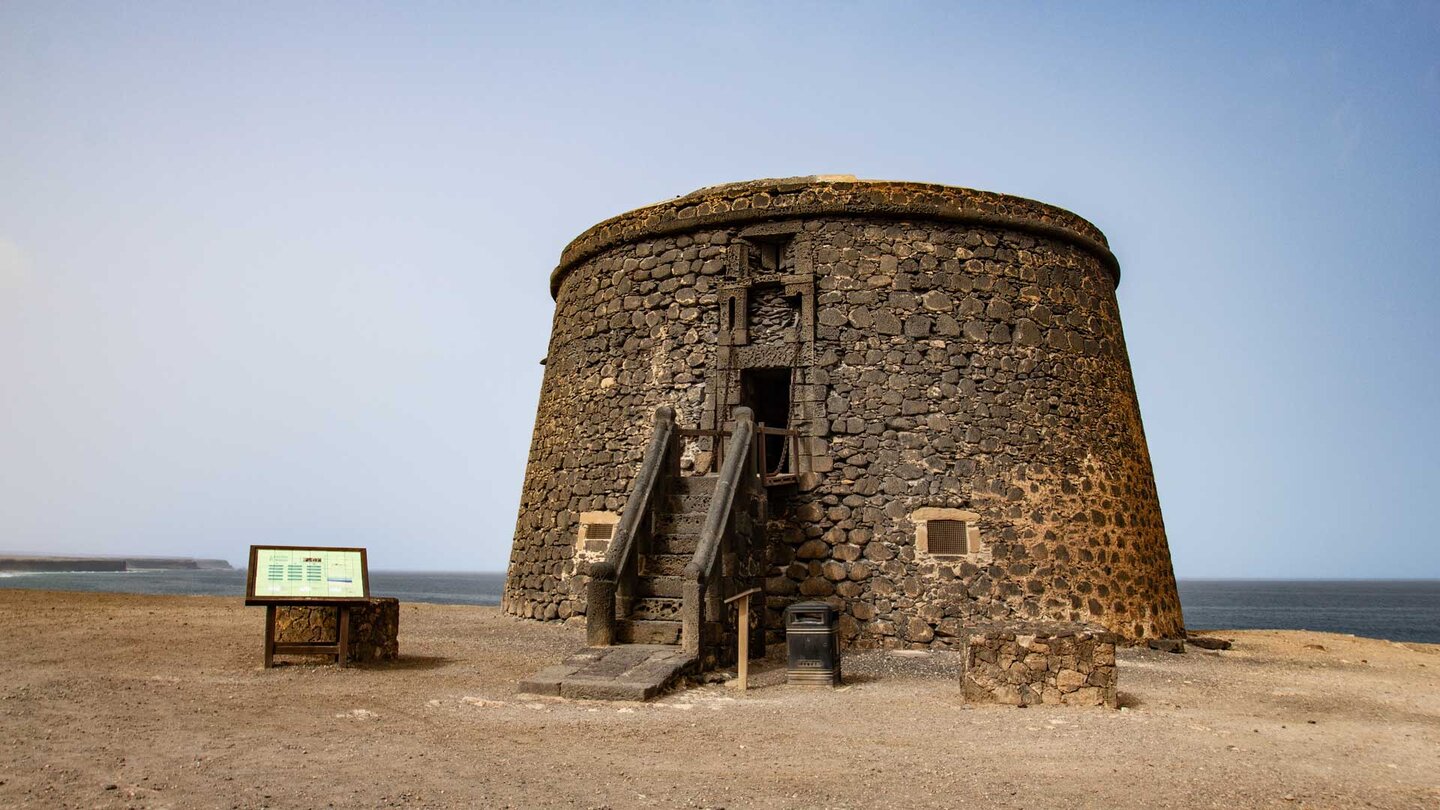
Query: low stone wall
1025	665
374	628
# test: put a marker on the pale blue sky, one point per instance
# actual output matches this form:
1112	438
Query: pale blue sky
277	273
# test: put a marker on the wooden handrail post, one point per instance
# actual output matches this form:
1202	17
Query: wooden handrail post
269	636
760	449
744	663
743	654
342	633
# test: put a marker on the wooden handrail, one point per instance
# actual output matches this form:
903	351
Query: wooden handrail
637	506
605	575
723	500
609	587
792	442
699	575
720	449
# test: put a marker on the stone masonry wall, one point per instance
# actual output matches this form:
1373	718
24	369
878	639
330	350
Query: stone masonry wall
986	371
1027	665
374	627
961	365
634	329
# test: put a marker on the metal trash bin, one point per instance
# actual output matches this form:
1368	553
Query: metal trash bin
812	640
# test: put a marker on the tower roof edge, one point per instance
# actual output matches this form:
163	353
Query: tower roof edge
829	195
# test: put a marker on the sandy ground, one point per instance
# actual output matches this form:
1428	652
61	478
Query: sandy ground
141	701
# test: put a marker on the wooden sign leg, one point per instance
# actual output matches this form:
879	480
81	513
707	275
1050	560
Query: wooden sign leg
744	643
342	625
269	636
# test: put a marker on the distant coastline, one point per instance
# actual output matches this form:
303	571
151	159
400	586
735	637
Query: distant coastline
33	563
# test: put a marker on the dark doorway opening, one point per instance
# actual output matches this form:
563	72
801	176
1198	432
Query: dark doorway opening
766	391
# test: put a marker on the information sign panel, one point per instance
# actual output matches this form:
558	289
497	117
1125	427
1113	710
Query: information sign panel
294	574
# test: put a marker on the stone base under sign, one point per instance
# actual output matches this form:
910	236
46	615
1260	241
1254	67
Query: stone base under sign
1029	664
374	628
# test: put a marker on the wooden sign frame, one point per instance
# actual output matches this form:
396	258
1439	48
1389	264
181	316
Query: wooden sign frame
252	599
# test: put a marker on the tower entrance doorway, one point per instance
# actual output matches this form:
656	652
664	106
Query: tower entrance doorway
766	391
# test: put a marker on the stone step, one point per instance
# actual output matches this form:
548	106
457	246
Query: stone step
687	504
660	586
663	565
648	632
675	543
621	672
655	608
684	522
693	485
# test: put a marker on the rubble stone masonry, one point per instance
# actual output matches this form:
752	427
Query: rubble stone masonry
953	351
374	627
1031	664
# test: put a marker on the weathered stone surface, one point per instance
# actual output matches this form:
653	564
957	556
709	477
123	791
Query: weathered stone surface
626	672
1068	680
547	681
374	628
1027	664
967	353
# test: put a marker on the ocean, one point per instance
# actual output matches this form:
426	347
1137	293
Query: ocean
1400	610
449	588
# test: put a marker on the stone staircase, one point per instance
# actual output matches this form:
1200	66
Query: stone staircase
647	623
655	611
648	658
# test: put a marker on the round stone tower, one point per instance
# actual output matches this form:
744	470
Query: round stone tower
966	443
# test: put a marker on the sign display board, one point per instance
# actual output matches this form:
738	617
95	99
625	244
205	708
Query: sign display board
297	574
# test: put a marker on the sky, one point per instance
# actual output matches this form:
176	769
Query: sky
278	273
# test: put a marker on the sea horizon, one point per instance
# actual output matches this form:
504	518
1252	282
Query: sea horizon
1395	609
463	571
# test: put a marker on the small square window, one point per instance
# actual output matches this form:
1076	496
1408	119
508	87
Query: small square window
947	537
942	531
597	529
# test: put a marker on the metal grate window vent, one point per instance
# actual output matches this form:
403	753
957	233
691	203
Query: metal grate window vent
947	537
595	532
599	531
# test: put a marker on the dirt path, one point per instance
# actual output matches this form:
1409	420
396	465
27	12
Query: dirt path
142	701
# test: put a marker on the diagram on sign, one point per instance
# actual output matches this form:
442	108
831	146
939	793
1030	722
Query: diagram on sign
309	573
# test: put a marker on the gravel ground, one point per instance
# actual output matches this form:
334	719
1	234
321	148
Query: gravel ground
150	702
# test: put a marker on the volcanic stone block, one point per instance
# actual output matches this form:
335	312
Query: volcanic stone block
1029	664
374	627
